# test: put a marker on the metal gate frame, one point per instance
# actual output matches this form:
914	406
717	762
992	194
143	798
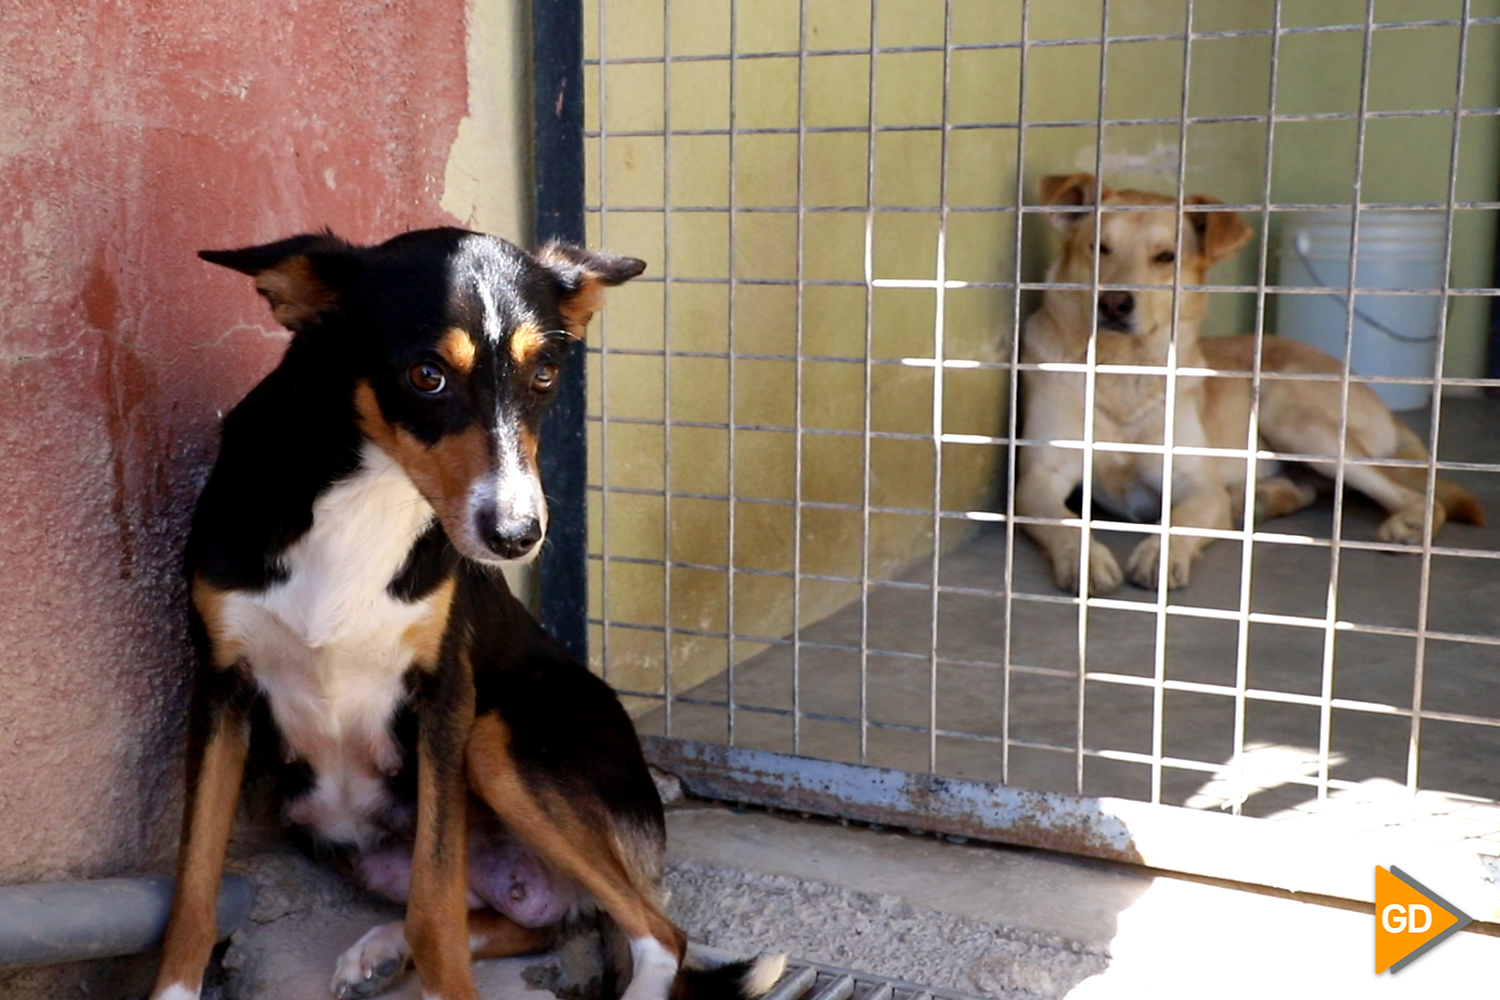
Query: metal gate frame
557	120
1165	837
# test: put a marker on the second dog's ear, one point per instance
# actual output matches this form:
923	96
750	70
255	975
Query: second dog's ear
1066	189
1220	234
581	276
302	278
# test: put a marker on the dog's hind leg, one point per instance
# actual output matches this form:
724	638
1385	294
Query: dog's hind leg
1407	507
494	935
1308	423
585	845
1376	437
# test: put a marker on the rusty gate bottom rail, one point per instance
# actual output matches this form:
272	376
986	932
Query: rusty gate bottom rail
954	806
1171	838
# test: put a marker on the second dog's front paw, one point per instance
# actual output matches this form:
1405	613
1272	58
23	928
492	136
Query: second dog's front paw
1104	570
1144	567
375	962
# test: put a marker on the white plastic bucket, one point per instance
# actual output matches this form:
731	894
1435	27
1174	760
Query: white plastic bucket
1394	335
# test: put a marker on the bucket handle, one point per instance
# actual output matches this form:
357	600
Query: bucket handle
1299	247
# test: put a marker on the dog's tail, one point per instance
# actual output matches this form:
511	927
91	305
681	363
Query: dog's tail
1458	503
744	980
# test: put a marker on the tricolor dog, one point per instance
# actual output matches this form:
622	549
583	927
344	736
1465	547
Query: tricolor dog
347	602
1136	244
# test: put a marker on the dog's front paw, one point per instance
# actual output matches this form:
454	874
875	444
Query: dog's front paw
1144	567
375	962
1104	570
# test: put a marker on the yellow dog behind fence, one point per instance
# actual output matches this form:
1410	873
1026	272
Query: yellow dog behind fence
1138	246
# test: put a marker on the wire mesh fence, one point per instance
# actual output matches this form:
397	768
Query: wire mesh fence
805	423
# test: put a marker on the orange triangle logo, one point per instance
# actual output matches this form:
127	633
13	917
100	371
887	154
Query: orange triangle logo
1410	919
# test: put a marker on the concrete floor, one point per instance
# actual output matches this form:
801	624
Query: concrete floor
1281	739
1023	927
976	919
1025	924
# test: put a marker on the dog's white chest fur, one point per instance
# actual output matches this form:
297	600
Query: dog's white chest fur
329	646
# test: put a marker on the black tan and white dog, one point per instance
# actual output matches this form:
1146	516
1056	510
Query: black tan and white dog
347	601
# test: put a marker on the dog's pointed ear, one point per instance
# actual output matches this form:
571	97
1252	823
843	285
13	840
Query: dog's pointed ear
302	278
581	277
1220	234
1068	189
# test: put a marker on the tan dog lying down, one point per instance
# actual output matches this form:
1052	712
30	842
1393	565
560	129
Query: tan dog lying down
1139	248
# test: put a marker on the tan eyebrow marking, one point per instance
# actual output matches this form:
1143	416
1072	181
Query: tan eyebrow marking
526	343
458	349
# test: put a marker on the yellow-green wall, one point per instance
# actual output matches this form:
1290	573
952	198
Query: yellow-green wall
1405	160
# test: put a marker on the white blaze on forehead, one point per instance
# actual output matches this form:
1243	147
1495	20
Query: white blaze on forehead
491	322
486	267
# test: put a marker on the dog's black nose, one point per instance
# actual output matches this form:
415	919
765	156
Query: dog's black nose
1116	307
508	538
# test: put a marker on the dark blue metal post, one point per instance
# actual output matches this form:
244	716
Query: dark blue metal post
557	79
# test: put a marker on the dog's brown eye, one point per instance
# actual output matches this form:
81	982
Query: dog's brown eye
1103	249
427	379
544	377
1165	257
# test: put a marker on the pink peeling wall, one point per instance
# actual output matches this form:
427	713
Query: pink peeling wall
132	133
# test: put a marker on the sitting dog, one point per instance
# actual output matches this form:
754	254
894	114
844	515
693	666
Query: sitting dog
346	600
1139	246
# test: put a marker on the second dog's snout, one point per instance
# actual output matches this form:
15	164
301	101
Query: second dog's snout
1116	307
508	538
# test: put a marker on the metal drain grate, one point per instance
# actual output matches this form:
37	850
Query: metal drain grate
804	980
